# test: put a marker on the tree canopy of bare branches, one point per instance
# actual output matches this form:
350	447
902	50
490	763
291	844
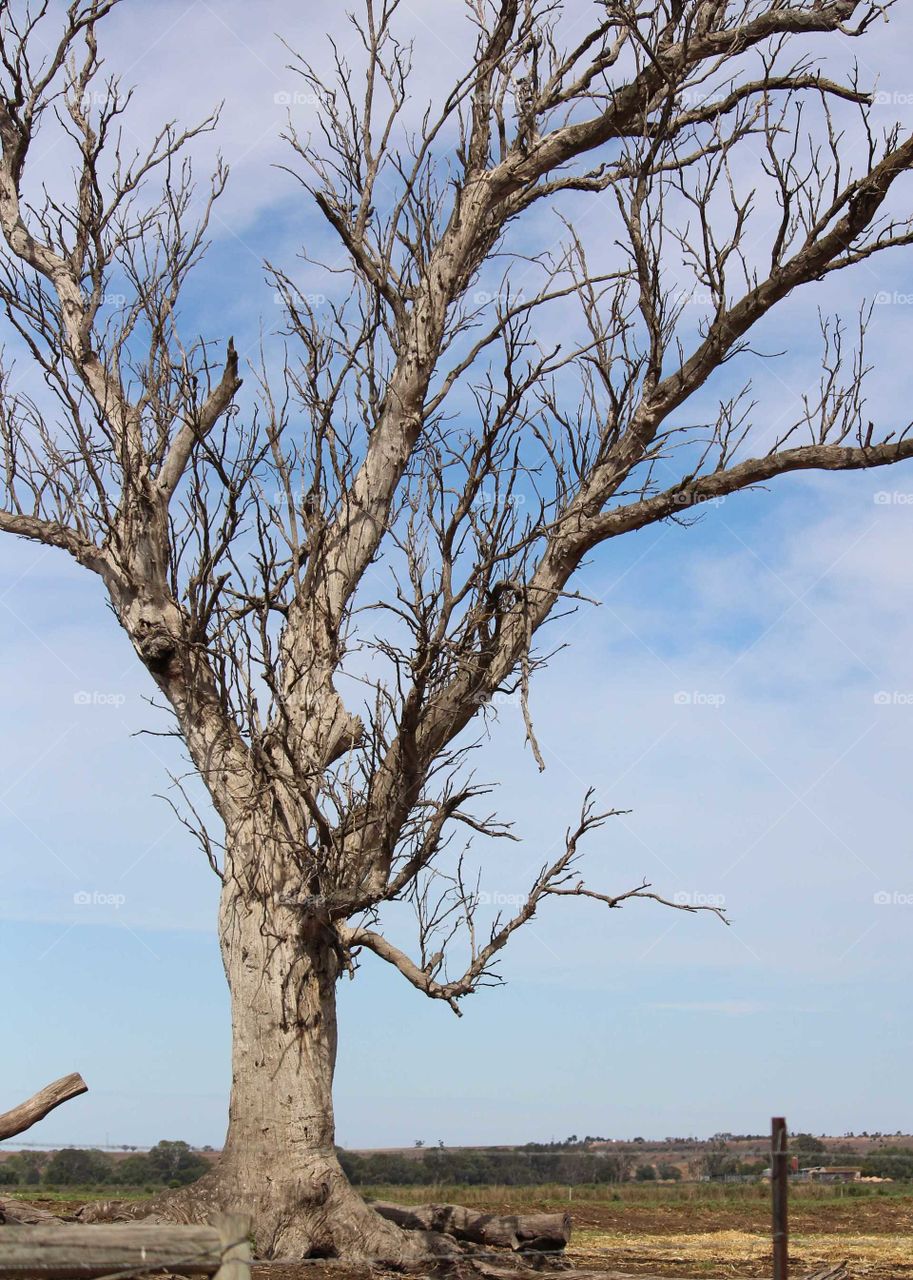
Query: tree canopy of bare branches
404	505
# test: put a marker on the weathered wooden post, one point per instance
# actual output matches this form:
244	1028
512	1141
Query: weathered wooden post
234	1238
779	1186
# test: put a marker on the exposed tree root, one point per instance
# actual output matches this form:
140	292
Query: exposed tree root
336	1222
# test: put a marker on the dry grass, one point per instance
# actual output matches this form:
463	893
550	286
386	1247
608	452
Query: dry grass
739	1253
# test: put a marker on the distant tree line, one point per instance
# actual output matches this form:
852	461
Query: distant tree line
534	1165
176	1164
168	1164
568	1163
889	1162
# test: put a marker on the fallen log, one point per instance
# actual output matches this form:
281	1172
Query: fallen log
78	1253
19	1213
540	1232
38	1106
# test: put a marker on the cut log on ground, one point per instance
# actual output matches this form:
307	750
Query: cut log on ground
541	1232
37	1107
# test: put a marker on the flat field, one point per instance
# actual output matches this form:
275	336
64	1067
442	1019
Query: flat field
675	1230
702	1229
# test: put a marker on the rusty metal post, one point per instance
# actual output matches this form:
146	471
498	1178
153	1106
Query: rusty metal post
779	1186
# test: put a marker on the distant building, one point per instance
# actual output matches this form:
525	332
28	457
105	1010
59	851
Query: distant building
825	1173
831	1173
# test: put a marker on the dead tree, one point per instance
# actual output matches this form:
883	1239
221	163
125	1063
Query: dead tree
425	430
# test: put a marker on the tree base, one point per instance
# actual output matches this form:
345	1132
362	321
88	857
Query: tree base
326	1218
312	1219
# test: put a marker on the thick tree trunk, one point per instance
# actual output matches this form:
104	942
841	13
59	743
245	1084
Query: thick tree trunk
279	1162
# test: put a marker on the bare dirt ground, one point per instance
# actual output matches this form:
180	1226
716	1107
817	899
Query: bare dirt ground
874	1236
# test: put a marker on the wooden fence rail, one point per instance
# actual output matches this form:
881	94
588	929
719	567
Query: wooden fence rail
64	1252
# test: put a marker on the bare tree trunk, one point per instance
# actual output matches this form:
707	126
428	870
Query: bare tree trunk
279	1162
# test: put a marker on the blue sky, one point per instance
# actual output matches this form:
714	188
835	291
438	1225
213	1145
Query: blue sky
743	687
